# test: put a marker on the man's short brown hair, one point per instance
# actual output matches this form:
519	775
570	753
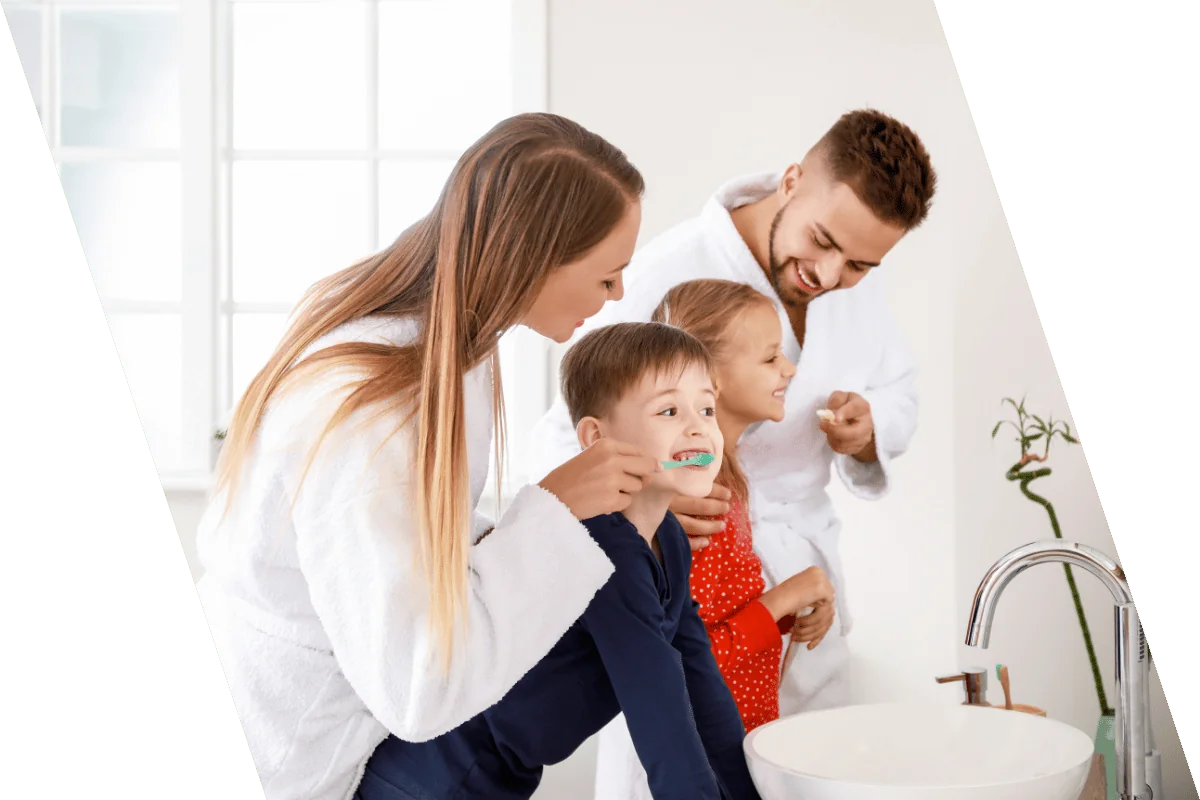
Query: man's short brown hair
884	163
606	363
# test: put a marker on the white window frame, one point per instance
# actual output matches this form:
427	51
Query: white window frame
205	155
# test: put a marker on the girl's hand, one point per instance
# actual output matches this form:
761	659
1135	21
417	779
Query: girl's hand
602	479
806	589
809	588
812	628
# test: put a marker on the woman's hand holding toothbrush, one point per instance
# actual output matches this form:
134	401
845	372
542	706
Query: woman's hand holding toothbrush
602	479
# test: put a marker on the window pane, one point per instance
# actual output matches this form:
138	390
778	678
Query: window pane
444	71
151	351
294	223
26	26
120	78
407	192
254	339
299	75
128	218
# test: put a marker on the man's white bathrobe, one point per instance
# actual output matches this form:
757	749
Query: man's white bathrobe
851	344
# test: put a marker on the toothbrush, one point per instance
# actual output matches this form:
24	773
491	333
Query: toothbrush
1002	674
698	460
825	415
789	655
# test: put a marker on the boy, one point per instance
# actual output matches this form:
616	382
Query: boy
640	648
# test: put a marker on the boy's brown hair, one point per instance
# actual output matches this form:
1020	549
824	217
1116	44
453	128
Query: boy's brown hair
884	163
606	363
707	309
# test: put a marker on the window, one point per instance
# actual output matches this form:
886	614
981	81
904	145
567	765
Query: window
219	156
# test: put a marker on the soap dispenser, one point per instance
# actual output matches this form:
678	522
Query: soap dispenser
974	685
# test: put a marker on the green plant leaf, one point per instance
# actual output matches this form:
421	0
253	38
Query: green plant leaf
1001	424
1036	436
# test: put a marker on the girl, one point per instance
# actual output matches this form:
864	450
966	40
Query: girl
348	590
741	329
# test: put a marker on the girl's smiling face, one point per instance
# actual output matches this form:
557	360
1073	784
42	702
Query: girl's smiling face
671	416
753	371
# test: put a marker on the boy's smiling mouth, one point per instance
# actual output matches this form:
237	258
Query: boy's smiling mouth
684	455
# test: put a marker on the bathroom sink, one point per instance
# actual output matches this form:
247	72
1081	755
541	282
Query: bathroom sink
896	751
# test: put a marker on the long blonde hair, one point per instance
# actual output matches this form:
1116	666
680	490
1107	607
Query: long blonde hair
707	309
534	193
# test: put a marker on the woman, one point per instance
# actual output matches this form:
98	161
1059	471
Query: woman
348	589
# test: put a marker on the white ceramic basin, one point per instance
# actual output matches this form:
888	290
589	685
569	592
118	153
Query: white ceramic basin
918	752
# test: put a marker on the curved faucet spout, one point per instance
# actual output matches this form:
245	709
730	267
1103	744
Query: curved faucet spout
979	630
1131	669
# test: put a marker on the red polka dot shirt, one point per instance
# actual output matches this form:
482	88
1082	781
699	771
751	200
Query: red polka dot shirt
727	582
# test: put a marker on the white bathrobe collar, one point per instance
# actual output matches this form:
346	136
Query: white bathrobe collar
717	218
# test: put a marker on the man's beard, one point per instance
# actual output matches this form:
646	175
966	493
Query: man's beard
775	269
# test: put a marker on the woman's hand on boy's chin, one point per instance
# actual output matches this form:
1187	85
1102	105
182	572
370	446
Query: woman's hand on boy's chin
690	510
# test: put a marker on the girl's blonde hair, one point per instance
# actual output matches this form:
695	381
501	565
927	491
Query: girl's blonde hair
707	309
536	192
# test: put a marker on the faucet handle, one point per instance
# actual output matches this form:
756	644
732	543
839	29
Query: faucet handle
974	685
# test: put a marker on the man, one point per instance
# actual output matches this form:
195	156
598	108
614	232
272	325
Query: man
810	238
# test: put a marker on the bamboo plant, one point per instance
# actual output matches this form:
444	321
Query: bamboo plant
1033	431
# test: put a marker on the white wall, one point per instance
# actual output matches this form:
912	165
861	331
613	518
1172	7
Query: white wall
700	91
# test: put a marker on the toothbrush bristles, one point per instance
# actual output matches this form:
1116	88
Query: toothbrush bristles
698	460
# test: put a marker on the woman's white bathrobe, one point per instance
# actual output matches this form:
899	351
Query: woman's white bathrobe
321	618
851	344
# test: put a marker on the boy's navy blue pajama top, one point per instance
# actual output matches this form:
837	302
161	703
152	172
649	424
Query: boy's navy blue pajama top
639	648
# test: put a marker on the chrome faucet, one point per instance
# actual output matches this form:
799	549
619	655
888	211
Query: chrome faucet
1131	668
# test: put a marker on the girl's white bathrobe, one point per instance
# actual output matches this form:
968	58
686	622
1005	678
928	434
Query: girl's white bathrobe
320	617
851	344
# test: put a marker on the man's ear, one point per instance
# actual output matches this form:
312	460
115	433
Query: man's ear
588	431
790	182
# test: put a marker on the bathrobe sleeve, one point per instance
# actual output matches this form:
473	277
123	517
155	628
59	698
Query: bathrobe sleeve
358	549
891	390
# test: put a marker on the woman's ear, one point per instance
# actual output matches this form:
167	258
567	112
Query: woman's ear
588	431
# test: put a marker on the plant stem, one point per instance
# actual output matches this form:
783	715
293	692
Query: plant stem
1015	474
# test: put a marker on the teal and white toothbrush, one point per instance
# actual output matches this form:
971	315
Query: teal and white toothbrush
698	460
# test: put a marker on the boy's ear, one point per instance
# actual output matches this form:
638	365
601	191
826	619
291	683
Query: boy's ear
588	431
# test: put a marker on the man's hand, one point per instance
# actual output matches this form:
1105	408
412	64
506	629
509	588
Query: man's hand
851	431
813	627
690	511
